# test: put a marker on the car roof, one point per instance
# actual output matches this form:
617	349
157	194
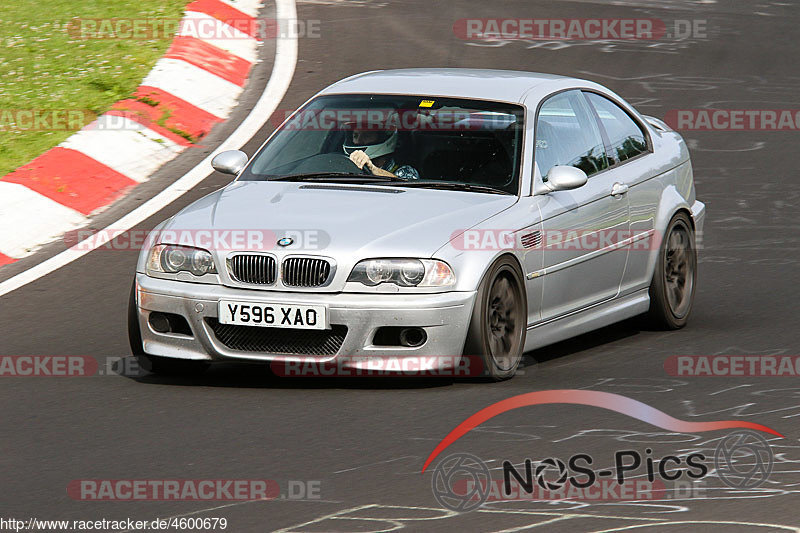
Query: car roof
483	84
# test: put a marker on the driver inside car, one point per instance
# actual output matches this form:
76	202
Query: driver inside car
375	150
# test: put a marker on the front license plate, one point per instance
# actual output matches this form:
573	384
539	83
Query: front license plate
272	315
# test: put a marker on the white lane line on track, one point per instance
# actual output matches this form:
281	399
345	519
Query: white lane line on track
235	504
281	77
378	463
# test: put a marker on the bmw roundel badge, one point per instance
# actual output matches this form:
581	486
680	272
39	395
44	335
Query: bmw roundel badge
286	241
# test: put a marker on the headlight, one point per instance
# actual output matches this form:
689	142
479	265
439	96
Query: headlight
170	259
403	272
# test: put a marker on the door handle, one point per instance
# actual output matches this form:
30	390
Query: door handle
619	189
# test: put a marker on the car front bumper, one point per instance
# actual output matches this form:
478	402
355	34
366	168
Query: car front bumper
699	216
444	317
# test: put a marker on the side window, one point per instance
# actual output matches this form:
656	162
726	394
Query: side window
567	134
626	137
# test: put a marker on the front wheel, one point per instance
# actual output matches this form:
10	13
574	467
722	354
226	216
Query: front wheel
499	321
674	279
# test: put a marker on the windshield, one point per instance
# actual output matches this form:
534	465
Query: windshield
399	140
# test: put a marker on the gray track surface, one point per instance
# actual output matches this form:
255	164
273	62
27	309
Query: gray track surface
365	440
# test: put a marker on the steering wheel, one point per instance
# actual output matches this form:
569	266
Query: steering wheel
364	170
331	162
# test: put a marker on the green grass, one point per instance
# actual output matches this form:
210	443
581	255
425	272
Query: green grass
43	66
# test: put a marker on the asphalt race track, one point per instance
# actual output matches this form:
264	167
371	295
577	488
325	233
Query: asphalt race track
362	442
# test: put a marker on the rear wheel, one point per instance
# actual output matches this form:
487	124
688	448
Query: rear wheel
499	320
674	279
152	363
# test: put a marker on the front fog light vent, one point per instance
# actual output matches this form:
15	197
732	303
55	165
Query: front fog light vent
409	337
169	323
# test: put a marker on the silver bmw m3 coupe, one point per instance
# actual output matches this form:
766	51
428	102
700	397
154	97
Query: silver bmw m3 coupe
429	215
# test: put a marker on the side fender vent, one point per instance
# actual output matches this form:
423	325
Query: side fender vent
531	240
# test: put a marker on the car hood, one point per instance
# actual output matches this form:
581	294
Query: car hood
349	221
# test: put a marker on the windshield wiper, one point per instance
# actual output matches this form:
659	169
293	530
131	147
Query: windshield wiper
455	185
337	176
394	180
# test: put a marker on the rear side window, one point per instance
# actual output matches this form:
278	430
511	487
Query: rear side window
626	138
567	134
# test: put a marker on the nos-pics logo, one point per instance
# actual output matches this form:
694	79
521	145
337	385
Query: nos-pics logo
462	482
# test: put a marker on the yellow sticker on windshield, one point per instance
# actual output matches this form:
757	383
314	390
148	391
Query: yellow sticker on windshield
426	103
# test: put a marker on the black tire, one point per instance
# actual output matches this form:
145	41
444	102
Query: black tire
151	363
675	277
134	334
499	320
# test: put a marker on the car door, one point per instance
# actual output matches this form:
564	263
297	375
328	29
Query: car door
583	263
632	165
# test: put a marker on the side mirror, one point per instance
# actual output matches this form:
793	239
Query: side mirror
564	178
229	162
